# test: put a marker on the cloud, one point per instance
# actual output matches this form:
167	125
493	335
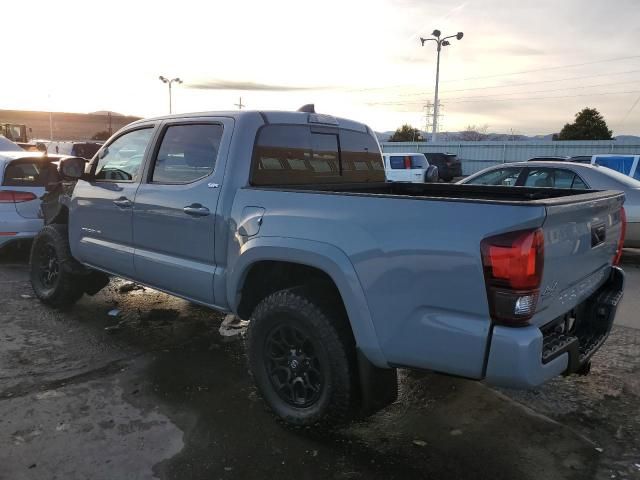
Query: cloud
248	86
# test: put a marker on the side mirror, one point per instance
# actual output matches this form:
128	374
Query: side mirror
72	168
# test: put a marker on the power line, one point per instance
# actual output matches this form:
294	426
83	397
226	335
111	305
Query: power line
624	119
545	98
544	69
491	99
525	83
557	67
552	89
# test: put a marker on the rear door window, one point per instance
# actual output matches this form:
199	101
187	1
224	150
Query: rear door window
418	162
553	178
187	153
396	162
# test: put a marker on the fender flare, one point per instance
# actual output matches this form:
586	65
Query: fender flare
325	257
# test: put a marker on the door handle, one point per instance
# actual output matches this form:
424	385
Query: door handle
123	202
196	210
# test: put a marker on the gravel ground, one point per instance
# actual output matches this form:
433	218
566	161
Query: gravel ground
157	392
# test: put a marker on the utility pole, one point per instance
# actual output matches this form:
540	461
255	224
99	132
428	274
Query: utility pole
240	104
169	82
441	42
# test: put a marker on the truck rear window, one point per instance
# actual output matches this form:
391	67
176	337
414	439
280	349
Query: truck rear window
300	155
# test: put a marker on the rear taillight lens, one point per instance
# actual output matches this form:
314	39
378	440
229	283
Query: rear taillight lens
8	196
513	263
623	232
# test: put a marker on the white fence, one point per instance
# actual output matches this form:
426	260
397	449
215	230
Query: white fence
478	155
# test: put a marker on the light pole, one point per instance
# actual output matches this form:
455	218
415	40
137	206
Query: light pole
441	42
169	82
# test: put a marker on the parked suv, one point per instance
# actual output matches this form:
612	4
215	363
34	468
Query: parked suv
449	167
285	219
409	167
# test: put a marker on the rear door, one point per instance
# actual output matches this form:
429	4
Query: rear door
175	208
399	168
101	213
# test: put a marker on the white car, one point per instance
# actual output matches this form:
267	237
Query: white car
409	167
23	178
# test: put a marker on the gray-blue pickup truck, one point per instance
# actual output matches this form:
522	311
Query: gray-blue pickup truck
285	219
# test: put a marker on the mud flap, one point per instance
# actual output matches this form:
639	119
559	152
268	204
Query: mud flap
378	386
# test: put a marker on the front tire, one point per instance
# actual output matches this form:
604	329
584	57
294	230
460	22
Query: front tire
302	359
53	271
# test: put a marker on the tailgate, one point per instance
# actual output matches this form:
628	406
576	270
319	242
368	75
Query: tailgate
580	240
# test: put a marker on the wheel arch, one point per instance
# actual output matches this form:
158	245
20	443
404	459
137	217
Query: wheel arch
320	260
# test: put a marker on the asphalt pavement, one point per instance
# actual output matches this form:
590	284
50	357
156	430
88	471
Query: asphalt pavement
153	390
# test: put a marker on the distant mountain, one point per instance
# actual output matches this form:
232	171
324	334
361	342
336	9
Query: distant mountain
628	138
495	137
107	112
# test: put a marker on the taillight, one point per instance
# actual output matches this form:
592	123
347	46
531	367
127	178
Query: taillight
513	263
8	196
623	232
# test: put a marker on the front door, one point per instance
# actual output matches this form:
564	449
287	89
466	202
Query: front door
101	212
175	210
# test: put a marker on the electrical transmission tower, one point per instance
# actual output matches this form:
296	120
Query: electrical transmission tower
429	116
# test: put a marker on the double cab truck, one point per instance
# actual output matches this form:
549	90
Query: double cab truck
285	219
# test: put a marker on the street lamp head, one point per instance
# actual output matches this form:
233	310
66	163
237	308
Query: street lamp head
436	33
177	80
460	35
446	43
164	80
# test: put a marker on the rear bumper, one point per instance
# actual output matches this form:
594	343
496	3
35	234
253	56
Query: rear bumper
527	357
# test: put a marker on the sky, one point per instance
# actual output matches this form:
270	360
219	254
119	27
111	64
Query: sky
523	66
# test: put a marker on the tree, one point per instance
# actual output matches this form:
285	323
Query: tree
474	133
102	135
406	133
589	125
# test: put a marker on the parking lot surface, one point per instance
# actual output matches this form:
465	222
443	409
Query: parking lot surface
135	384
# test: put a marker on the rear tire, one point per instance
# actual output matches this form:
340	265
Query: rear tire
302	359
55	275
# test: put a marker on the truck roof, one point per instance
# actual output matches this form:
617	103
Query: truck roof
270	116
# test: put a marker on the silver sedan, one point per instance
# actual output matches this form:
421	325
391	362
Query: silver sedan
568	175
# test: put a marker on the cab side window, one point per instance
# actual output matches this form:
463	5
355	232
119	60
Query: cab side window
122	159
187	153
